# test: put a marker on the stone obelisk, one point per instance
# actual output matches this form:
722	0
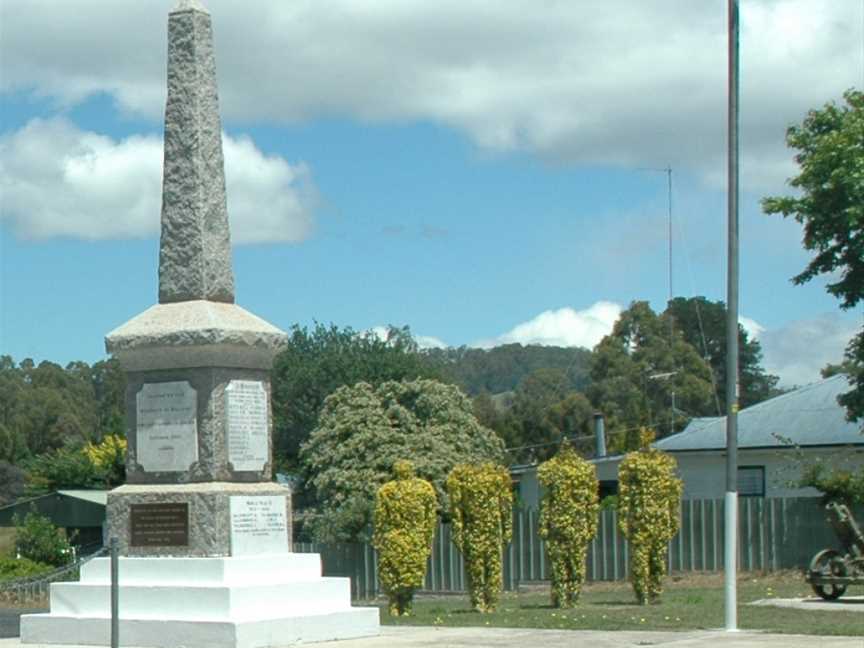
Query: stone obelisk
204	534
198	398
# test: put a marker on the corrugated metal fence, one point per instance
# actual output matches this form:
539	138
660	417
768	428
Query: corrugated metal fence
774	534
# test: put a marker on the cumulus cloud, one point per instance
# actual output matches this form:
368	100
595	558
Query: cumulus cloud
423	341
799	350
564	327
754	329
621	83
60	181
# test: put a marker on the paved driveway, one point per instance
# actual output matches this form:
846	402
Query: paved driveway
427	637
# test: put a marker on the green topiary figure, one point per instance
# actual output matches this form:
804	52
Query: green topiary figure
649	501
405	516
568	520
481	503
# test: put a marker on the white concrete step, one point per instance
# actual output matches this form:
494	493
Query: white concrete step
286	630
285	568
205	601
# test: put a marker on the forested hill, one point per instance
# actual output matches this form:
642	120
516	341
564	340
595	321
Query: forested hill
502	369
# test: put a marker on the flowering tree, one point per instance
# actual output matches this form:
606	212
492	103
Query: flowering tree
363	430
568	520
405	515
481	502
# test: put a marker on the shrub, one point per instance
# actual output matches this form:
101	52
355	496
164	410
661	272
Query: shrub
37	539
15	568
405	516
649	501
568	520
481	504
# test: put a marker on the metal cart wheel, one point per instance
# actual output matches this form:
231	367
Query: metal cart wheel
827	563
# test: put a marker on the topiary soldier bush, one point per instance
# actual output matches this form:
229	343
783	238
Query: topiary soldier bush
481	504
649	502
405	517
568	520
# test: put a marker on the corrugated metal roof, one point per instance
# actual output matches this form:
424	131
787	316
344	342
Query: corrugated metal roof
807	416
95	496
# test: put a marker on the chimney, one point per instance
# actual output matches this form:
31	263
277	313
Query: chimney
599	435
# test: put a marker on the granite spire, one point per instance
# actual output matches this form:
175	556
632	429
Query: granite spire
195	246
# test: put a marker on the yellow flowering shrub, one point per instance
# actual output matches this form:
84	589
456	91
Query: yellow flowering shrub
568	520
109	458
649	501
405	516
481	504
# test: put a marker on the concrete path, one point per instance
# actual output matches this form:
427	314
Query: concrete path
430	637
844	604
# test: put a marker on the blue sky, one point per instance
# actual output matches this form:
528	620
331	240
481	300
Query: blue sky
478	170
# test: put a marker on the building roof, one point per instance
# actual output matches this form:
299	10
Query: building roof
807	416
66	508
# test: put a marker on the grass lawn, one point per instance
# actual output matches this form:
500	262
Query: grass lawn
688	603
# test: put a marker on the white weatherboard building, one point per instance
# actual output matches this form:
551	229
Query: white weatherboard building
777	438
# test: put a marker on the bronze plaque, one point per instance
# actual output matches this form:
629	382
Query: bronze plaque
159	525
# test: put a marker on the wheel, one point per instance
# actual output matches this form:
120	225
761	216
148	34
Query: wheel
828	563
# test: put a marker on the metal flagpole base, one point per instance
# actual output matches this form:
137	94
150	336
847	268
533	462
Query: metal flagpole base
730	558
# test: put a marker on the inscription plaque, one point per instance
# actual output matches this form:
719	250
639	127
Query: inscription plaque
167	434
159	525
247	424
258	525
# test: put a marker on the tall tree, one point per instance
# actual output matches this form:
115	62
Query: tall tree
544	412
829	203
638	368
703	325
315	363
503	368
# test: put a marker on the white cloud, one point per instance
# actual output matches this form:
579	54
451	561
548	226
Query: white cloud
754	329
60	181
423	341
625	82
430	342
564	327
799	350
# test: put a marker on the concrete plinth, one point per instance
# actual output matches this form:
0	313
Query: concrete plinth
239	602
209	515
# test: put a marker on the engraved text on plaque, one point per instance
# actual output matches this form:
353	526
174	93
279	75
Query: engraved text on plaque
159	525
167	436
247	424
258	525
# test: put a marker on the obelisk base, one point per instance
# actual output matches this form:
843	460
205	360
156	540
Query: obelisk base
249	602
196	520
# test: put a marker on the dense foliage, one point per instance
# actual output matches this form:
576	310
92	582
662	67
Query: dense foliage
47	407
636	370
37	539
838	485
405	520
829	203
96	465
503	368
568	520
316	363
703	325
12	568
363	430
649	501
481	501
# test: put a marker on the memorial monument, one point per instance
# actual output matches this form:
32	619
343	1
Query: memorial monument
204	534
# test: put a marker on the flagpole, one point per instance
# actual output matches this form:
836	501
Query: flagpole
730	553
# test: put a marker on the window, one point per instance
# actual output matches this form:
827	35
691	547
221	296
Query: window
751	481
